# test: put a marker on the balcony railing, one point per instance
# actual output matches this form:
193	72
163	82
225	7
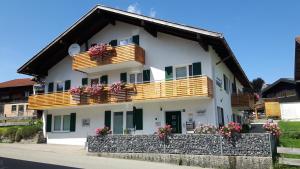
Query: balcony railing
244	100
125	56
200	86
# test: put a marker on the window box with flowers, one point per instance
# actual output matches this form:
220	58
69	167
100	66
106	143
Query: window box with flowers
98	51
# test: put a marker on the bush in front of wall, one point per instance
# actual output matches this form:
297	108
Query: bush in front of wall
10	133
164	132
103	131
205	129
230	130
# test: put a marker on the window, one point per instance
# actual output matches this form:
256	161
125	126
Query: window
125	41
27	93
67	85
59	86
129	120
57	123
21	108
226	83
66	122
84	81
132	78
136	78
14	108
94	81
50	87
181	72
221	116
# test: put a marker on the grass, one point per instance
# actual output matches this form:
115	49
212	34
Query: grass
290	134
290	156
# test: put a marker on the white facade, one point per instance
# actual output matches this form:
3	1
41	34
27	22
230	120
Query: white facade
160	52
290	111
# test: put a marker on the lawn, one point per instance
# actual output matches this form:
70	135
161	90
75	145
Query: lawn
290	134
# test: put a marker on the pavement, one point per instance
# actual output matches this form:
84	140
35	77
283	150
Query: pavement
66	157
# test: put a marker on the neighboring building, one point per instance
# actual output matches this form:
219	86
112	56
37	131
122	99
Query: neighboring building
14	98
175	74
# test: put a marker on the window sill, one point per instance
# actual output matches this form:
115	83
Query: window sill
60	131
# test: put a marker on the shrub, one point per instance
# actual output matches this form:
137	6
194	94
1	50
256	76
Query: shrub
205	129
230	130
272	128
164	132
103	131
10	133
18	136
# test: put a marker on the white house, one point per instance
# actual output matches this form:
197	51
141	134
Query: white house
174	74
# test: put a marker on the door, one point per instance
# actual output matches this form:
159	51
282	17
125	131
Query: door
118	123
173	118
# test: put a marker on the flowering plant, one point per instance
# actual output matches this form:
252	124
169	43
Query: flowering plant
103	131
256	96
163	132
205	129
77	90
272	128
116	88
94	90
97	51
232	128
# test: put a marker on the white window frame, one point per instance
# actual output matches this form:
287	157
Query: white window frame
135	77
61	123
178	66
128	39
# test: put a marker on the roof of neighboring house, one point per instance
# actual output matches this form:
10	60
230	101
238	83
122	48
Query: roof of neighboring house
297	58
281	80
100	16
17	83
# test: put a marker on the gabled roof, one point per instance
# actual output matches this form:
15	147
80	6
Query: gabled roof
100	16
281	80
17	83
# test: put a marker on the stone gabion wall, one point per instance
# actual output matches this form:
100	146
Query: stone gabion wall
192	144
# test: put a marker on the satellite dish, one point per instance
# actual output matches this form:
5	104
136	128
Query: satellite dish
74	49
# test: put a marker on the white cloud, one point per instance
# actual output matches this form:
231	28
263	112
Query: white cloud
152	13
134	8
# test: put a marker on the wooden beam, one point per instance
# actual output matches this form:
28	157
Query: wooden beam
201	42
150	29
223	60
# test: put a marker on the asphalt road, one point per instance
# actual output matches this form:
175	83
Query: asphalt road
33	156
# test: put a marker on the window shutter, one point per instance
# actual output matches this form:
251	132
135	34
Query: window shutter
73	122
84	81
107	119
136	39
104	79
123	77
49	123
113	42
50	87
138	119
169	73
197	69
146	75
67	85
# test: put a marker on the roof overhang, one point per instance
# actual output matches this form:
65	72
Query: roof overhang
86	27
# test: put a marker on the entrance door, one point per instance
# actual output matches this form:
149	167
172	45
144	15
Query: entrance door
173	118
118	123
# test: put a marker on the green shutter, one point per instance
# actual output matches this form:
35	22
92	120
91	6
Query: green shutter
104	79
73	122
107	119
138	119
146	75
49	123
50	87
123	77
169	73
67	85
136	39
197	69
84	81
113	42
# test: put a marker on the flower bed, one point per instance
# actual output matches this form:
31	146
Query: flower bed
230	130
164	132
205	129
272	128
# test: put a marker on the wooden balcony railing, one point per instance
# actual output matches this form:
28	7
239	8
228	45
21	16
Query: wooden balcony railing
200	86
242	100
117	55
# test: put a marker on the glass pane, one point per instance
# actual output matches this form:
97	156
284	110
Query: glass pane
129	119
66	122
57	123
181	72
139	78
190	70
118	123
125	41
132	78
60	87
21	108
13	108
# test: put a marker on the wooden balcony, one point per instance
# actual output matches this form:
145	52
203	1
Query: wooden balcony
243	100
200	87
119	57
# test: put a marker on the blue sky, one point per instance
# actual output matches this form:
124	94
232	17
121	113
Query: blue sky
260	33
